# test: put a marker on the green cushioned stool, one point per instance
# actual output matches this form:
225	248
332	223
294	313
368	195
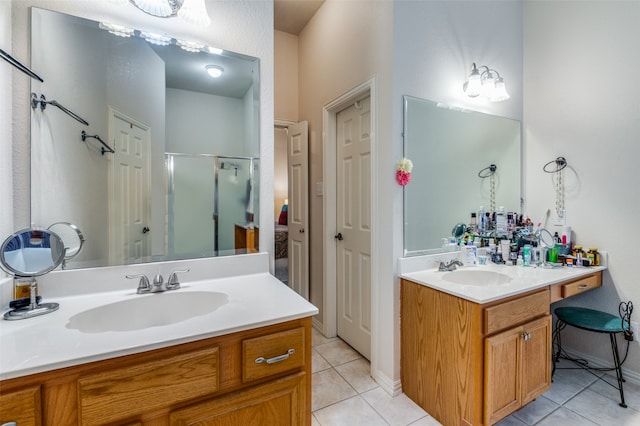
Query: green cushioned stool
596	321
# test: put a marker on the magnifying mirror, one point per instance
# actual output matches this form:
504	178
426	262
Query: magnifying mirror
72	239
546	239
27	254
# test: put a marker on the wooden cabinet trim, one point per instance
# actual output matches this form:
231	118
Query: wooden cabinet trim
22	406
517	311
132	390
269	347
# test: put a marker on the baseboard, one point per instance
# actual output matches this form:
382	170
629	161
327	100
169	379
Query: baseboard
634	376
392	387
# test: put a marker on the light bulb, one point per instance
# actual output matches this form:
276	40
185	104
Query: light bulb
194	12
500	91
154	7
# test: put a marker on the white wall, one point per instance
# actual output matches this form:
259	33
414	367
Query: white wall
6	166
217	121
581	102
344	45
242	26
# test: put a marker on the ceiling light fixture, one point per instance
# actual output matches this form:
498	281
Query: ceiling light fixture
190	46
214	71
191	11
487	83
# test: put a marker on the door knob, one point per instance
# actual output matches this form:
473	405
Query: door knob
145	229
338	236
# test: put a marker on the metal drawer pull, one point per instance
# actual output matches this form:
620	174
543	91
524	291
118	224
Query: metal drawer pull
275	359
526	336
583	286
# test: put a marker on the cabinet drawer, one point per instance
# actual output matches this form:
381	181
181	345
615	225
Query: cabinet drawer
125	392
516	311
584	284
22	407
272	354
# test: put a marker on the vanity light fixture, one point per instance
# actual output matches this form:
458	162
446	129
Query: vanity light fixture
487	83
155	38
119	30
192	11
214	71
190	46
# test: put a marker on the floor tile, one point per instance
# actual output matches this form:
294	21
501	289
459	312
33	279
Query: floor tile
565	417
399	410
328	387
511	420
536	410
602	410
426	421
318	339
314	421
631	391
317	362
358	374
337	352
350	412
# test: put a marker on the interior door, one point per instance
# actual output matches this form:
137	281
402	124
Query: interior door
130	236
353	238
298	209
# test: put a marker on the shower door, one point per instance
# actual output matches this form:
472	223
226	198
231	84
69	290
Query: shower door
190	202
236	199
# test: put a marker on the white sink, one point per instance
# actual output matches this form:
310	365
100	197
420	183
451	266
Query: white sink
150	310
476	277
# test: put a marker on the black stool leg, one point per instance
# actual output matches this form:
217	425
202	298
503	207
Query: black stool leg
616	361
557	344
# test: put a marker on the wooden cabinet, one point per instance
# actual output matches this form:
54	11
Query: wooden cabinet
277	403
247	239
516	368
472	364
21	406
221	380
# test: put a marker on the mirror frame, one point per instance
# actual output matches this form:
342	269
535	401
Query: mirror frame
56	261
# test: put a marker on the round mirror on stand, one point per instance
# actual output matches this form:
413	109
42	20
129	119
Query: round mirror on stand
27	254
72	239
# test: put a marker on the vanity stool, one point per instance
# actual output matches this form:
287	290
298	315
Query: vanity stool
598	322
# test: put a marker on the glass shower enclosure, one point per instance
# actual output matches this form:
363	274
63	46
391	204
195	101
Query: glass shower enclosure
207	196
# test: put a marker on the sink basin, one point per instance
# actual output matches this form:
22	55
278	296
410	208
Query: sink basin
476	277
151	310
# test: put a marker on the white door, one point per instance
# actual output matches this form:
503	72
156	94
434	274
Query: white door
129	236
298	209
353	219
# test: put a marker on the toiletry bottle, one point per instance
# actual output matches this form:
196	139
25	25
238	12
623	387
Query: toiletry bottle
526	255
482	221
473	224
501	223
594	256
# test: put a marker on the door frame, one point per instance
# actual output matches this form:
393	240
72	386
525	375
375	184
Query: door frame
330	111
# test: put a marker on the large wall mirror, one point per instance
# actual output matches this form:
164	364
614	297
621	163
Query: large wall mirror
185	166
449	147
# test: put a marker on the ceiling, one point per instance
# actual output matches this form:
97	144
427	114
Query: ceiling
291	16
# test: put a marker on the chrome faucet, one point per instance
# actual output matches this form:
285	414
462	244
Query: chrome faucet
158	282
451	266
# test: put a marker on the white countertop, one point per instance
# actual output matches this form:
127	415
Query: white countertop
45	343
523	279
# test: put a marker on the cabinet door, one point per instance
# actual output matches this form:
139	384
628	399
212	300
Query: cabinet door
502	366
277	403
536	359
22	407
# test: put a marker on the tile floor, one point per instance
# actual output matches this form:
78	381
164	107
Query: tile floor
344	394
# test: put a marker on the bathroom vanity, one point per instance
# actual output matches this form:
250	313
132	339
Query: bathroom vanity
247	360
474	352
